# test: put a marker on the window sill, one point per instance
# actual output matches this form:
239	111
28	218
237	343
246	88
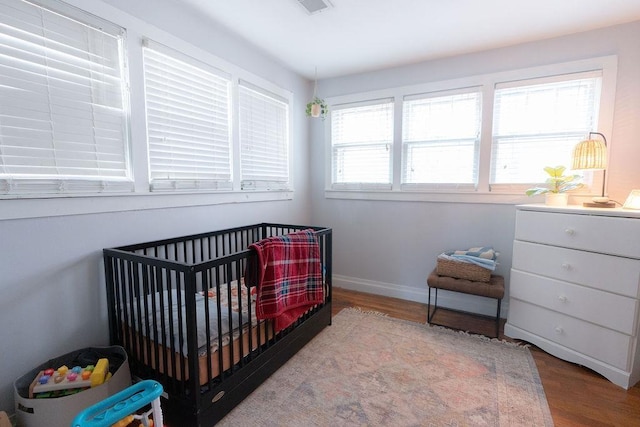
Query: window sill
80	205
497	198
437	197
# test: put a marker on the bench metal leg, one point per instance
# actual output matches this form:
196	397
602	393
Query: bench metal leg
498	319
435	306
431	313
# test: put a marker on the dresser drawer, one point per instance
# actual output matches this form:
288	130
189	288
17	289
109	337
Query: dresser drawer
602	308
609	235
600	343
606	272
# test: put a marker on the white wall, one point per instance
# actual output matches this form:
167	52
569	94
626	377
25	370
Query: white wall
390	247
52	297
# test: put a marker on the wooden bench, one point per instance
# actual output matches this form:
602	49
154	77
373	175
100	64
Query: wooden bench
494	288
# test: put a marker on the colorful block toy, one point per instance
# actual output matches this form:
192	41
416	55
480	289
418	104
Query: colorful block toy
64	381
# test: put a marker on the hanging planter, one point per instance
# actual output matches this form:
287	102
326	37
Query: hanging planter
317	108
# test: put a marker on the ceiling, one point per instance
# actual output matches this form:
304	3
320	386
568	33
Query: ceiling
357	36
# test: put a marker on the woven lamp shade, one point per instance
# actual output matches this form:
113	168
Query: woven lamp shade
590	154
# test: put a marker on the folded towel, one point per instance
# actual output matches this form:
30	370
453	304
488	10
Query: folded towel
485	252
484	257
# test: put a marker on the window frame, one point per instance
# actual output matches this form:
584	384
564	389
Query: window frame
61	185
364	185
238	78
482	194
552	80
278	98
434	186
214	78
54	205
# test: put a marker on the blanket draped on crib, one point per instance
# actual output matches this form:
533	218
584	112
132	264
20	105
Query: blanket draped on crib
289	278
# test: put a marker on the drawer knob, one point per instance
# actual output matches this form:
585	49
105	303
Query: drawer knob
570	231
566	266
559	330
562	298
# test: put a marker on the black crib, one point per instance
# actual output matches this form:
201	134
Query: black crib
208	352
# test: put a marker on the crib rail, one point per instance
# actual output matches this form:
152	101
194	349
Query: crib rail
176	306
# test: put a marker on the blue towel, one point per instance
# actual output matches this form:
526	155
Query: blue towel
484	257
485	252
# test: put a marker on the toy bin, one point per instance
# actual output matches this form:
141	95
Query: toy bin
54	402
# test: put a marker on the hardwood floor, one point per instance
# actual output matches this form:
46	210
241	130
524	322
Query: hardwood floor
577	396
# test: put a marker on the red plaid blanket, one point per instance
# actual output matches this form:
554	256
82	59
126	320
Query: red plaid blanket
289	279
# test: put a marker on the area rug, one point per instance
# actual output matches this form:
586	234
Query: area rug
370	370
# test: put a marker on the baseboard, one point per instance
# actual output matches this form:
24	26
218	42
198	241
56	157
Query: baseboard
470	303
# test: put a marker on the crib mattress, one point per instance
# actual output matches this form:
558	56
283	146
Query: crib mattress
160	356
171	363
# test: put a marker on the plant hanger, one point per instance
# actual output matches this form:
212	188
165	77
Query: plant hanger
317	107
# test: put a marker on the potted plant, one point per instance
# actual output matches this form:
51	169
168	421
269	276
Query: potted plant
317	108
557	186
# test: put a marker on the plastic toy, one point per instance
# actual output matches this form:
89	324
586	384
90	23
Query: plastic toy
100	372
64	381
120	409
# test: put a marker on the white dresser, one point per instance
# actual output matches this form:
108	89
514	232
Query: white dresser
574	289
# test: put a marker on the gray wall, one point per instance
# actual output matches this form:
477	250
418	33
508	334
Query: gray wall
389	247
51	286
52	298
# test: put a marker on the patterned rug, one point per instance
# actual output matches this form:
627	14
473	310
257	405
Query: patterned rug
370	370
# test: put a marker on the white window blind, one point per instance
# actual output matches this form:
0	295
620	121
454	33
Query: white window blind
188	122
264	139
64	102
440	139
538	123
361	144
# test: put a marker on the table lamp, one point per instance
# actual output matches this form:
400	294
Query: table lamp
591	154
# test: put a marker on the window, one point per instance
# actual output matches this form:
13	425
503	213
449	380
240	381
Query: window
63	117
477	139
188	122
537	123
361	144
66	113
441	138
264	138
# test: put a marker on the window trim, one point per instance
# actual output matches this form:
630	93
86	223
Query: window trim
54	205
432	186
278	96
366	185
65	205
45	185
569	77
608	65
150	51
